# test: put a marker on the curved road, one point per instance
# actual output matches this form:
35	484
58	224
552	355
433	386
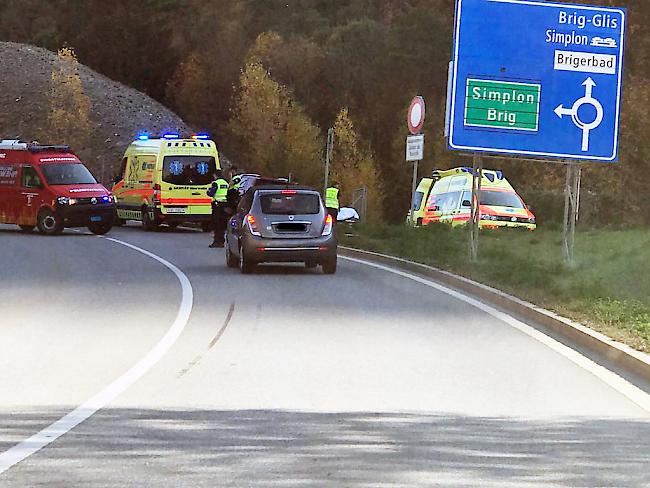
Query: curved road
285	378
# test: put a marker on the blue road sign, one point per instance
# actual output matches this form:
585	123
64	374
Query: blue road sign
537	78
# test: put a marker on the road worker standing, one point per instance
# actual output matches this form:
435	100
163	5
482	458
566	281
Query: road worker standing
332	201
219	193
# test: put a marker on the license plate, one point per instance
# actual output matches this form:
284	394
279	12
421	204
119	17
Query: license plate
176	210
95	219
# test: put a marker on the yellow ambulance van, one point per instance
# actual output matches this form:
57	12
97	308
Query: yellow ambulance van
416	216
500	206
164	180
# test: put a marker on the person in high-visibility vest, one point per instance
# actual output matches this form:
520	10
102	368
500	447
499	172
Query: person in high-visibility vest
219	194
332	201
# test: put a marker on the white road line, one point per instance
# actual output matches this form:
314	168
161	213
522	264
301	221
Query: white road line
621	385
38	441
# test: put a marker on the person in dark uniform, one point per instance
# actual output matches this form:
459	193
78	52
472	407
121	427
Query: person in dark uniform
219	194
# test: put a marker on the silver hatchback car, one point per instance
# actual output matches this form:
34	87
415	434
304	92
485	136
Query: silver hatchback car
281	223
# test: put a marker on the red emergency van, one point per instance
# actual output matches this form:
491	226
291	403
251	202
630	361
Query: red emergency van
50	188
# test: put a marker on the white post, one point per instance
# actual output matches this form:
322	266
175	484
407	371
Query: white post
475	216
328	157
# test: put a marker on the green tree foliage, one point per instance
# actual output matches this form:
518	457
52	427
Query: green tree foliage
271	130
353	166
69	112
372	56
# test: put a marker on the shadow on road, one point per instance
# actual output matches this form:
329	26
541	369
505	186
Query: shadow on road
287	449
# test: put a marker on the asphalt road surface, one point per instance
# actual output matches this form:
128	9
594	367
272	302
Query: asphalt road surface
168	369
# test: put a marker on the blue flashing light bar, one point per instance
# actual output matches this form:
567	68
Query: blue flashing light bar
171	135
143	137
202	137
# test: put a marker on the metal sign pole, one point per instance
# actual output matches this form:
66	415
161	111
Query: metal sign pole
328	157
475	217
413	188
571	211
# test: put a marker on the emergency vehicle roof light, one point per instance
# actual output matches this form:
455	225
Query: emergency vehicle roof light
202	137
36	148
143	136
171	135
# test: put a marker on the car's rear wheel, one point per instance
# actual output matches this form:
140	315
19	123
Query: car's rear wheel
49	223
329	266
100	228
246	266
27	228
148	223
231	260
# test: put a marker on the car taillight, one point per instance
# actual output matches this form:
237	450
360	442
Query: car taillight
156	193
329	223
252	225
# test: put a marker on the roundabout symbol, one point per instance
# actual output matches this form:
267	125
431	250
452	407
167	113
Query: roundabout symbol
588	99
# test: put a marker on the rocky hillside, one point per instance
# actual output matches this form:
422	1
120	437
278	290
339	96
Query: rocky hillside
114	113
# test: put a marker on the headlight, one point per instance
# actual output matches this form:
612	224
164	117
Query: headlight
531	220
489	217
63	200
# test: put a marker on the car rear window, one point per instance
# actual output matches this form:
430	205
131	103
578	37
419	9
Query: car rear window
290	203
189	170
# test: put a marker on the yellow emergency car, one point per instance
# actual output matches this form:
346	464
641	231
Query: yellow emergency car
449	200
418	210
164	180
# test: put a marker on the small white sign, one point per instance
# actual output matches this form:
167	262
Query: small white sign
415	148
585	62
175	210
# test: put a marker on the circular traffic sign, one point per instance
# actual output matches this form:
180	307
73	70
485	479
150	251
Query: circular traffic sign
416	115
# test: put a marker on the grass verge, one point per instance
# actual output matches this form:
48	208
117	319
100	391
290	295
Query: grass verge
608	289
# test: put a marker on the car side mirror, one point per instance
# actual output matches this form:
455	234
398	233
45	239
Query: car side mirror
466	203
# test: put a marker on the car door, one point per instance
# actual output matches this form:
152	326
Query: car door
32	195
9	192
236	222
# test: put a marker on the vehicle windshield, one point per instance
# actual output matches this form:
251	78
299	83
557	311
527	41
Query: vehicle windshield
501	199
189	170
68	174
418	200
290	203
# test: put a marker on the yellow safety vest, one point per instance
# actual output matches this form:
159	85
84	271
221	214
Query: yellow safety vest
221	194
332	198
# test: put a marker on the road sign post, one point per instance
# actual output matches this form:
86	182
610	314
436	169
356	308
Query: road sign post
474	224
415	145
538	79
571	211
328	157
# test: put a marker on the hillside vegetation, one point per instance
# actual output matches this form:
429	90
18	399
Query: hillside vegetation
52	98
269	77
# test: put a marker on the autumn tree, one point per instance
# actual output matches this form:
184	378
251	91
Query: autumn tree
187	90
274	136
68	119
353	166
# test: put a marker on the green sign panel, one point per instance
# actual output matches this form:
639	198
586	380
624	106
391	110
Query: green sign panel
502	105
